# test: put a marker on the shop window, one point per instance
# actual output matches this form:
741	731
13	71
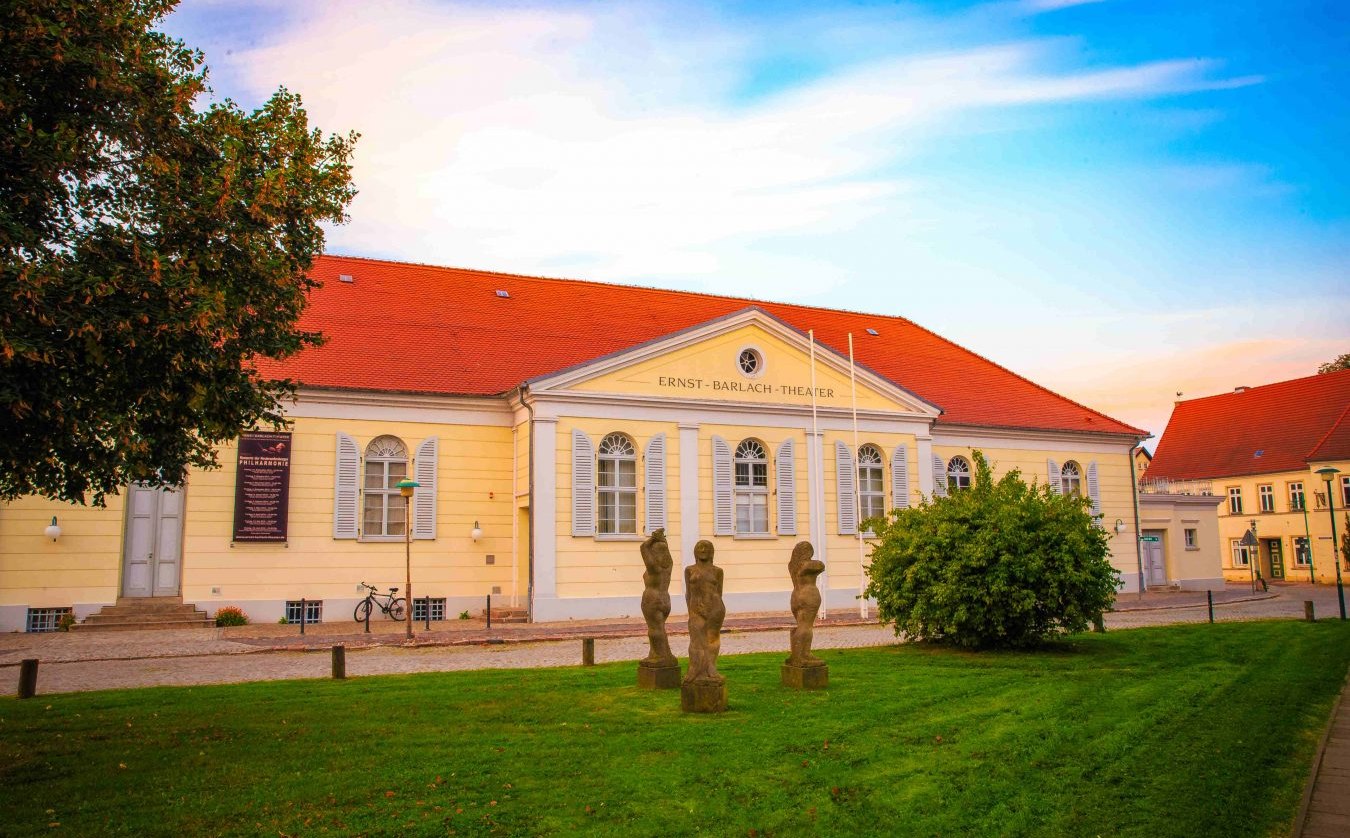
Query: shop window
871	494
1192	541
1302	555
1266	496
958	474
1235	500
616	486
383	510
311	608
1071	480
45	619
751	488
1297	501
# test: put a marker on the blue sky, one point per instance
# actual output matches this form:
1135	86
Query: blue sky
1120	200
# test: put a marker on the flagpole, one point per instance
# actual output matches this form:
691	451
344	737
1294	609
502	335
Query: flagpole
816	502
857	489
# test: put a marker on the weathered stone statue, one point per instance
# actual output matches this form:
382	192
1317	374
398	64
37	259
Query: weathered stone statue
704	689
804	670
660	669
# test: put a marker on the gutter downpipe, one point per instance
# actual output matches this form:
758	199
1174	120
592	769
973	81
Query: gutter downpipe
529	536
1134	492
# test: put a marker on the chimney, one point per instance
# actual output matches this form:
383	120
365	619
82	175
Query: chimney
1241	388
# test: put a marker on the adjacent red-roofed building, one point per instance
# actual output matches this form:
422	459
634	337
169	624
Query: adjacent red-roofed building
1259	448
552	425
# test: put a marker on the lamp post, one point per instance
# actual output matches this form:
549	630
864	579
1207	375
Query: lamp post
405	488
1328	474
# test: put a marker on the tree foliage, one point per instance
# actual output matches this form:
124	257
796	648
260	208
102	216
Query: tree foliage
1001	564
153	249
1342	362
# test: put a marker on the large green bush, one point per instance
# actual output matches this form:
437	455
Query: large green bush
1001	564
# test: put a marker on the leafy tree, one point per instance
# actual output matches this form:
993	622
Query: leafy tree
152	248
1342	362
1001	564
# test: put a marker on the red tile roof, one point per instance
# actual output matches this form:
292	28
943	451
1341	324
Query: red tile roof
418	328
1289	423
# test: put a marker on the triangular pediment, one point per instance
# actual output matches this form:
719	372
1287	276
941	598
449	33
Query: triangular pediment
707	363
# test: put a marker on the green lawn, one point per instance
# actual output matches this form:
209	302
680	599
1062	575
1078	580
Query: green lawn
1196	730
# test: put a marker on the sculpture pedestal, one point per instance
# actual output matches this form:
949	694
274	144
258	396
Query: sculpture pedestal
806	677
703	697
658	676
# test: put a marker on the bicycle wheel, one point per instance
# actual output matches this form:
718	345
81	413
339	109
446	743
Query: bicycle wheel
398	608
362	610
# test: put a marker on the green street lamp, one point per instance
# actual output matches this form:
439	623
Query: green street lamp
1328	474
405	488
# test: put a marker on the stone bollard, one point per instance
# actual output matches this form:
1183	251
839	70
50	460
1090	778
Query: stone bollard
588	651
339	662
1308	611
28	678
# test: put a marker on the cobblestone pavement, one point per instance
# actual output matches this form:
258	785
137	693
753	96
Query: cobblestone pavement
77	662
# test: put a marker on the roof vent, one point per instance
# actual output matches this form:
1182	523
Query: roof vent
1259	452
1241	388
873	332
345	278
503	294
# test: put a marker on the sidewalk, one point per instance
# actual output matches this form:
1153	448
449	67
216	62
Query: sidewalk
1326	804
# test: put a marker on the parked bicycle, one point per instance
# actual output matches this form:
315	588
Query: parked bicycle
395	607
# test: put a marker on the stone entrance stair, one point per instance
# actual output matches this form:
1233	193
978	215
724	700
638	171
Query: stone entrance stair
134	613
508	615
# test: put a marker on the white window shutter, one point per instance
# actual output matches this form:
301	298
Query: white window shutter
583	484
939	477
1094	488
654	459
724	518
1052	468
424	496
346	483
900	477
846	481
786	486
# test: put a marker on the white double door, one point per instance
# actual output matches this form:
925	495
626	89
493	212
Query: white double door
152	557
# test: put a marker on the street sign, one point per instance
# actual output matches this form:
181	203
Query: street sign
1248	539
1149	538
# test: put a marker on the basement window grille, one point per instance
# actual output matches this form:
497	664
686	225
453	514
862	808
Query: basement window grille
437	609
45	619
313	611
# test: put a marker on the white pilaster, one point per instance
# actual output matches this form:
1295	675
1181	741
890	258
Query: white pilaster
689	531
544	507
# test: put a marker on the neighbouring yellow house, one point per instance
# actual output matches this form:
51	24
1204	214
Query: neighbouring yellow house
1257	451
551	424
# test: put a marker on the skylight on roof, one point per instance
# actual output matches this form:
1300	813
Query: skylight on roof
873	332
503	294
1259	452
345	278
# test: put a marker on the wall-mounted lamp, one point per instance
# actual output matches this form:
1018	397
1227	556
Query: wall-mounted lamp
477	531
1120	526
53	530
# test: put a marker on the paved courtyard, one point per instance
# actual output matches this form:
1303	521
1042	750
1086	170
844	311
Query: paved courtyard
78	661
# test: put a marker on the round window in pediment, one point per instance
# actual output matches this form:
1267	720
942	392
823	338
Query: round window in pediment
750	362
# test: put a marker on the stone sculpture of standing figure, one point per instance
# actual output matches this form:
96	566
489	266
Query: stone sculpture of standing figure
704	689
660	669
804	670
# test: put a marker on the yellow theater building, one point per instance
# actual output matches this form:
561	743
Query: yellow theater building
551	425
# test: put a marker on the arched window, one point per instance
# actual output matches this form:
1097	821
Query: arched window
1071	480
751	481
871	495
958	474
383	512
616	486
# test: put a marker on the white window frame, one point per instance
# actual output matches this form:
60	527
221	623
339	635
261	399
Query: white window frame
1345	492
1302	558
750	487
1234	500
382	457
1192	538
958	474
871	470
615	451
1071	479
1241	555
1297	499
1265	497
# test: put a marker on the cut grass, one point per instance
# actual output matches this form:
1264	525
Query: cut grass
1186	731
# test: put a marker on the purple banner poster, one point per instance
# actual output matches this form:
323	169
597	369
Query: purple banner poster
262	486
